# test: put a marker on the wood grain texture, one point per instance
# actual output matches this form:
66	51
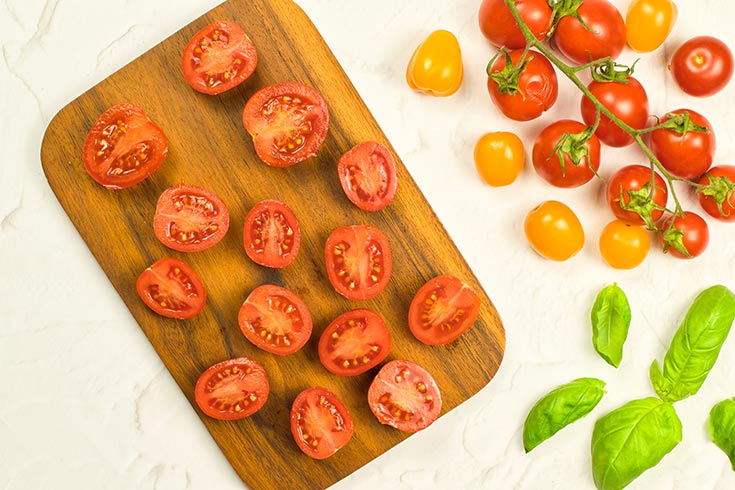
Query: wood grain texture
210	148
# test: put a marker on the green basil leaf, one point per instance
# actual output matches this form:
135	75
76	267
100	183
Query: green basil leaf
722	427
631	439
559	408
610	323
695	346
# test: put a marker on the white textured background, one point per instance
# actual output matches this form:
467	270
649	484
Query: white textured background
85	402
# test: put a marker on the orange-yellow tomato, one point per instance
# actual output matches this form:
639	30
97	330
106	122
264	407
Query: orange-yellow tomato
624	246
648	23
436	65
554	231
499	158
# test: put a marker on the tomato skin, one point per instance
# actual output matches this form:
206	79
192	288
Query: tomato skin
538	87
232	389
442	310
702	66
405	396
709	204
634	178
288	122
354	343
499	158
123	147
624	246
554	231
648	23
271	235
605	36
627	101
687	156
436	66
500	28
218	57
546	161
172	289
368	176
695	235
320	423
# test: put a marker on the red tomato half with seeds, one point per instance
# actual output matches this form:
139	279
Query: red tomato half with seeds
628	101
602	32
500	28
219	57
232	389
272	237
358	260
172	289
123	147
288	122
355	342
275	319
320	423
405	396
442	310
368	176
685	153
189	218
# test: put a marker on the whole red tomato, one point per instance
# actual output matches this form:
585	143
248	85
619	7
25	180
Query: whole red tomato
628	101
687	238
718	198
702	66
630	187
556	149
522	94
500	28
601	35
686	147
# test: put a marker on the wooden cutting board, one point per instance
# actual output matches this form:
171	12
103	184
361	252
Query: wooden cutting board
210	148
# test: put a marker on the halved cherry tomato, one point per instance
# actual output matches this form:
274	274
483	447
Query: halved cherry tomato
123	147
687	237
172	289
628	101
556	148
718	199
500	28
288	122
368	176
358	261
219	57
405	396
275	319
320	423
601	32
232	389
436	66
189	218
355	342
683	150
271	236
631	186
702	66
624	246
442	310
554	231
499	158
648	23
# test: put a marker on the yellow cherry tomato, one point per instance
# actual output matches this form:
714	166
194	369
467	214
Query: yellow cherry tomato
499	158
436	65
649	22
554	231
624	246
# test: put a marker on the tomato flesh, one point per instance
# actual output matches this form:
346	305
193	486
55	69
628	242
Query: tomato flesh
354	343
232	389
172	289
368	176
320	423
272	236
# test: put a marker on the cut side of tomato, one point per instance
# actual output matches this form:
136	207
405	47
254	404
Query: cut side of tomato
172	289
368	176
232	389
354	343
358	261
123	147
271	237
405	396
219	57
320	423
288	122
275	319
189	218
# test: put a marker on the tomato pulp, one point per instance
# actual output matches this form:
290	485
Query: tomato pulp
354	343
320	423
172	289
271	235
368	176
232	389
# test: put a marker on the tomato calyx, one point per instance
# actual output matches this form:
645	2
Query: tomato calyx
574	145
607	70
720	189
641	202
565	8
674	238
681	124
509	77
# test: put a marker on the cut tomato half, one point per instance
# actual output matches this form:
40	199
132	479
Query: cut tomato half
172	289
271	236
354	343
368	176
320	423
232	389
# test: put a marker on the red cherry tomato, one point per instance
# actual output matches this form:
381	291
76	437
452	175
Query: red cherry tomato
320	423
219	57
537	86
442	310
702	66
172	289
123	147
688	238
189	218
500	28
725	175
275	319
601	35
405	396
355	342
232	389
685	153
368	176
546	158
631	186
271	236
358	261
627	101
288	122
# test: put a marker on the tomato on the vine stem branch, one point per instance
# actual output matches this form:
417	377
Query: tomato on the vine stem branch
686	236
